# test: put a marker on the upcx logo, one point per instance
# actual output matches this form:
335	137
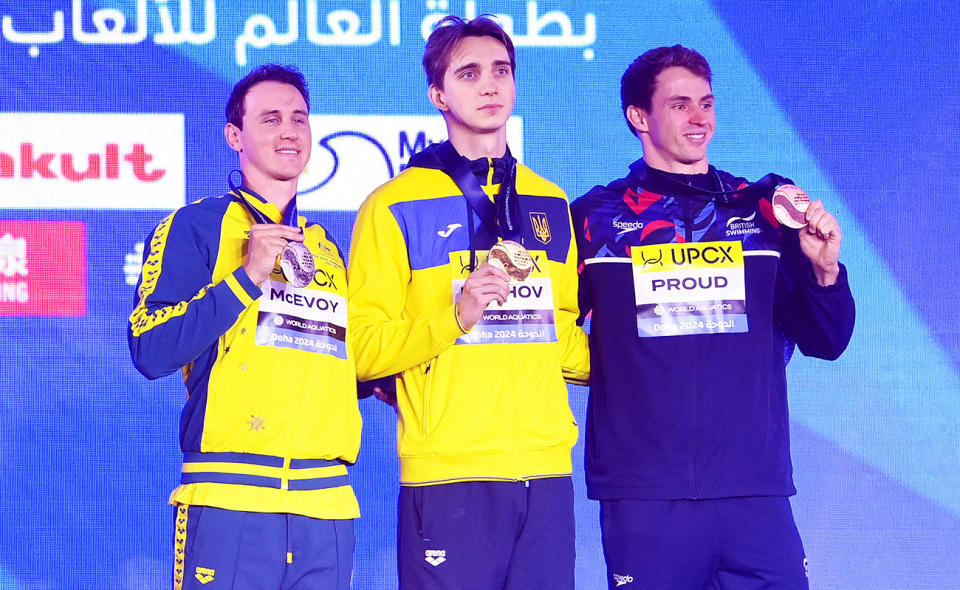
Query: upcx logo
353	155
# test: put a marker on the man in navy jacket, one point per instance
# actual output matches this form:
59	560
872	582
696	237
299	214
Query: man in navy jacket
698	296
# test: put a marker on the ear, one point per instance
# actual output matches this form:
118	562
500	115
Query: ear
232	133
638	119
436	97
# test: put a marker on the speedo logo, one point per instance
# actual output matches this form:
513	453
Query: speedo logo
626	226
622	580
435	556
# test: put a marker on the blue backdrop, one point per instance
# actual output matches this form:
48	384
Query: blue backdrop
111	114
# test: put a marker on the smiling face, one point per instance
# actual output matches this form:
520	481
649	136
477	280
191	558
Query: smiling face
274	144
478	89
679	126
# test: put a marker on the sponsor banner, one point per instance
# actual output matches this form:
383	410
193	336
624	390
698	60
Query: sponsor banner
526	316
43	268
312	320
689	288
92	161
353	155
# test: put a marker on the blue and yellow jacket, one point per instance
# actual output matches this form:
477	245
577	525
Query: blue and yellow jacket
491	404
271	418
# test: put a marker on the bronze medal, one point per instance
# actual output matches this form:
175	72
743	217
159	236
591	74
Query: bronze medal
789	205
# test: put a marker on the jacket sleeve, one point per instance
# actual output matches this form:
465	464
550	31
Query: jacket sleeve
584	300
574	347
387	340
180	311
820	319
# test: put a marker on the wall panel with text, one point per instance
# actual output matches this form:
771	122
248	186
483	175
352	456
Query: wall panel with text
111	116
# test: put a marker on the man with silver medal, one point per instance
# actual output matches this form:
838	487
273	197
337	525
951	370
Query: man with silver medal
271	419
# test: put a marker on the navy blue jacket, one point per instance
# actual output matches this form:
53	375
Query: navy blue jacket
696	415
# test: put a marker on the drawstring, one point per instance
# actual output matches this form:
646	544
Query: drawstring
289	541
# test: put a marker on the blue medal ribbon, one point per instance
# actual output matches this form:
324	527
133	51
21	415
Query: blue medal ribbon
503	218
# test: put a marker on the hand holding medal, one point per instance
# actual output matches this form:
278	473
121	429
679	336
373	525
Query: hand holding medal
267	242
511	258
820	236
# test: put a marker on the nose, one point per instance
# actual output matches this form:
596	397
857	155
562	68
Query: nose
288	130
698	116
488	86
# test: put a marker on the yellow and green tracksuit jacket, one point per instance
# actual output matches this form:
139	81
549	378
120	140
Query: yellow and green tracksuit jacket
271	418
490	404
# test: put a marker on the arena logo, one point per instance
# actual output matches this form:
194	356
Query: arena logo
43	268
92	161
353	155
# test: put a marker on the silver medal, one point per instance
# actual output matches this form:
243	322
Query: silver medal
297	264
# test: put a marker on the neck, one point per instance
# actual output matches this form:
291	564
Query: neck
472	145
278	192
698	167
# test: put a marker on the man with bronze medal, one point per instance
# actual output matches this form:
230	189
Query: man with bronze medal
463	286
700	286
248	300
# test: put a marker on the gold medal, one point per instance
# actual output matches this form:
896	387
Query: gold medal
512	258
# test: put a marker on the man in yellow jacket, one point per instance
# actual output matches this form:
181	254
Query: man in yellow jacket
271	418
480	358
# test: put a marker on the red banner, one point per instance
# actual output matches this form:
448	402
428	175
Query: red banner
43	268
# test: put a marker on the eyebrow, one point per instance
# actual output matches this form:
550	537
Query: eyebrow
474	65
277	112
687	98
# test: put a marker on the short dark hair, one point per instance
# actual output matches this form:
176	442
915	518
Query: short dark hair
265	73
639	81
450	31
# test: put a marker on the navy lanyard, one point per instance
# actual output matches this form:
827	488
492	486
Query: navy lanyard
503	218
290	217
753	191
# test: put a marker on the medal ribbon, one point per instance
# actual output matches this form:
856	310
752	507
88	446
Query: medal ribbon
290	217
504	217
754	191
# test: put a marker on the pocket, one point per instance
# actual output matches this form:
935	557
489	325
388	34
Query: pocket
426	427
418	507
193	516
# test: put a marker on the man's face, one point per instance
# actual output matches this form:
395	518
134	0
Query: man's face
679	126
275	142
478	87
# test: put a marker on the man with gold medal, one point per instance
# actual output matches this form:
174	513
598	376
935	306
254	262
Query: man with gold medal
463	285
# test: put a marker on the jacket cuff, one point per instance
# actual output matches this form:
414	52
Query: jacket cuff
840	285
446	327
243	287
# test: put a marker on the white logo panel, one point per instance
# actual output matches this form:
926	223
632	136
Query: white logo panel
92	161
353	155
